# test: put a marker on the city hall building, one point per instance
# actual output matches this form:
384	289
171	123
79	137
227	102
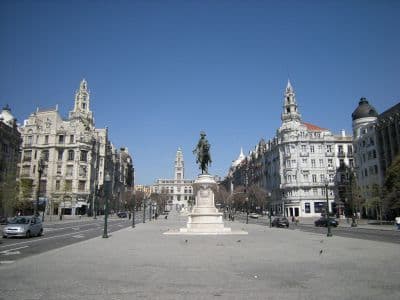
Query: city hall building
179	191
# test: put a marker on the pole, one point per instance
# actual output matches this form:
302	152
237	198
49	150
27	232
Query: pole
133	212
107	181
144	211
327	211
247	213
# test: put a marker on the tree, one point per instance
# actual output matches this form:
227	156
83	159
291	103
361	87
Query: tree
258	197
392	188
139	198
8	194
222	197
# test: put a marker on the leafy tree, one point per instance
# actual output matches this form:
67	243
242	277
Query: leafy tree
8	194
392	187
222	196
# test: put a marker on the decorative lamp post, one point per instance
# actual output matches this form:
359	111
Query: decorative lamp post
40	172
144	210
133	212
328	220
107	180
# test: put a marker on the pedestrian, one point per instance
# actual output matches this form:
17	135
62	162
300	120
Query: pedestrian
296	219
293	219
397	221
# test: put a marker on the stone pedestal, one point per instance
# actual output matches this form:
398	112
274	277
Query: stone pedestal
205	217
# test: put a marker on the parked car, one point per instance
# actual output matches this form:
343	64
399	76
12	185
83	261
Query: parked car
280	222
253	216
23	226
122	214
3	220
323	222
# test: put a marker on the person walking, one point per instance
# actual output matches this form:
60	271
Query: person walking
397	221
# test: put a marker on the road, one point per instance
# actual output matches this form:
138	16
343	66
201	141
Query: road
61	234
389	236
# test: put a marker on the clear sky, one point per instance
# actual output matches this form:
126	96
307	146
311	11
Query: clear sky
161	71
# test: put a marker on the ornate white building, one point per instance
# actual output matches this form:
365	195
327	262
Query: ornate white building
76	157
179	189
294	166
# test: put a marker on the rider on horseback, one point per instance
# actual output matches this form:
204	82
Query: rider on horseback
202	150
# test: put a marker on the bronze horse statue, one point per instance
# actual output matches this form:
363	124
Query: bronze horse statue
203	153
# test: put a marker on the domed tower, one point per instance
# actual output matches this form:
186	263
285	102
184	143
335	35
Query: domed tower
290	112
364	114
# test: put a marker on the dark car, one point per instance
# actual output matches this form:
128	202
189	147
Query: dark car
3	220
323	222
280	222
122	214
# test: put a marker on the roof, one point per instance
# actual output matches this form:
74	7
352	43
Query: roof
364	110
312	127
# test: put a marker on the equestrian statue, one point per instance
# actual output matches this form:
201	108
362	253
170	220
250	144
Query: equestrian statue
202	151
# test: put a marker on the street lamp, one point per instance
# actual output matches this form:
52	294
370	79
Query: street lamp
327	208
133	213
40	171
144	210
107	180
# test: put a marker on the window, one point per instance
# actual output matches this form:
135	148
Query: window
315	191
46	139
307	208
60	154
314	178
61	139
82	171
28	141
323	192
321	163
59	169
71	139
350	149
312	149
321	177
303	148
313	163
84	155
26	171
330	162
70	154
305	177
45	155
68	185
57	185
319	206
304	161
376	169
70	170
27	155
341	163
81	186
319	148
351	163
329	148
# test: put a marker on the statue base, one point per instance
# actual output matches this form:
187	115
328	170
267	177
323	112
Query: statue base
205	218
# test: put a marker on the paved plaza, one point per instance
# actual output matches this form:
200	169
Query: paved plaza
268	263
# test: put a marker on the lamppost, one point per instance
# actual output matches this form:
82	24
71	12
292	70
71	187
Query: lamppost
40	171
144	210
133	212
328	221
107	180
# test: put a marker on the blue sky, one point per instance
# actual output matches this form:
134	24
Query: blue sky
161	71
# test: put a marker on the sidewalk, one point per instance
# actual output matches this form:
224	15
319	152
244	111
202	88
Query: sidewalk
268	263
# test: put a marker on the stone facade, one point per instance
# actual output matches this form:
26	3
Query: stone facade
10	143
297	167
76	156
376	144
179	189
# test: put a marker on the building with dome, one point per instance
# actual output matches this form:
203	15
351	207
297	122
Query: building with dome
376	144
298	166
179	191
10	142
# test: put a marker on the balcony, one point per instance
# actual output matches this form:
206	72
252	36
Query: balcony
331	154
304	154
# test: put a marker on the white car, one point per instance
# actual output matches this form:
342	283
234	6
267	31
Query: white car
23	226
